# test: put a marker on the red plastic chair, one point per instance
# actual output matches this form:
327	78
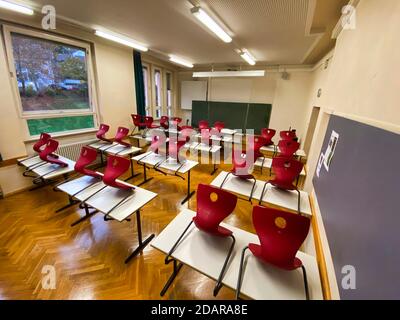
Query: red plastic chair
219	125
288	135
164	122
241	167
121	134
156	143
203	124
187	132
268	134
137	122
174	147
176	121
286	172
47	154
288	148
100	134
37	147
256	143
205	137
149	123
281	234
213	206
116	167
86	158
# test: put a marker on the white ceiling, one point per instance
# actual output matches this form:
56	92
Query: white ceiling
272	30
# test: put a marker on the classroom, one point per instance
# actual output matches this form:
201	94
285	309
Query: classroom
206	150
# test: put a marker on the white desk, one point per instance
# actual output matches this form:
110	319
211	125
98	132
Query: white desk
29	161
158	162
272	195
261	281
116	149
107	200
213	150
268	164
229	132
300	153
44	173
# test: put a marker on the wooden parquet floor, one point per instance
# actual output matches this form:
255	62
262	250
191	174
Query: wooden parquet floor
89	258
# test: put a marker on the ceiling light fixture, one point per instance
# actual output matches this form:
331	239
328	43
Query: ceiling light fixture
16	7
121	39
222	74
204	18
247	57
180	61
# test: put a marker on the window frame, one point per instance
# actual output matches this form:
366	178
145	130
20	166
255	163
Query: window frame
153	84
149	89
45	114
171	73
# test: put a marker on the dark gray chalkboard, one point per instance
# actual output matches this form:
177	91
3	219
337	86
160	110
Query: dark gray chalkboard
359	200
235	115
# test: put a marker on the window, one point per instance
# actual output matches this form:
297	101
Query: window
52	78
146	80
168	92
158	93
158	90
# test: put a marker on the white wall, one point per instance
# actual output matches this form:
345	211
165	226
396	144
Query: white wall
288	97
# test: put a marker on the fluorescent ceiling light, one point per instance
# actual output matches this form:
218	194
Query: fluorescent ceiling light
180	61
204	18
15	7
248	58
221	74
121	39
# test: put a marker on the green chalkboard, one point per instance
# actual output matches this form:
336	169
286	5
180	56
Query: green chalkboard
235	115
61	124
258	116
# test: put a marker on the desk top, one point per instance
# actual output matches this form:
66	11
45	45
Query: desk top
261	281
268	164
26	162
228	131
153	159
106	199
299	153
272	195
203	147
42	170
115	148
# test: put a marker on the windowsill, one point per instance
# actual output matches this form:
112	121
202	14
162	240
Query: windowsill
64	134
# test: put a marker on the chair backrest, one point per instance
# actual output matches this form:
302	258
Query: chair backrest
176	120
219	125
121	134
157	142
174	147
203	124
46	153
213	206
287	148
116	167
281	234
242	161
148	121
256	143
206	136
164	122
288	135
286	170
187	132
87	157
268	134
44	138
137	119
103	129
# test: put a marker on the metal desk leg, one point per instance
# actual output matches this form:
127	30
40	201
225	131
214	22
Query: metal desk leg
189	194
215	168
145	180
142	244
87	215
177	268
133	175
71	203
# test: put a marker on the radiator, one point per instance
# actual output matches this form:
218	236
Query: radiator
73	150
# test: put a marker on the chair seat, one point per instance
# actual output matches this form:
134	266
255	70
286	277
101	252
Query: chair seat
219	231
287	265
283	185
54	160
243	176
153	126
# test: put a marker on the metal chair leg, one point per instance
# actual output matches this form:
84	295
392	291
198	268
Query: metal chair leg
218	285
305	283
239	282
298	201
167	260
226	177
263	193
252	189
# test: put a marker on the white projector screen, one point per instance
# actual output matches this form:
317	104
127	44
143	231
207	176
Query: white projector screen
192	90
